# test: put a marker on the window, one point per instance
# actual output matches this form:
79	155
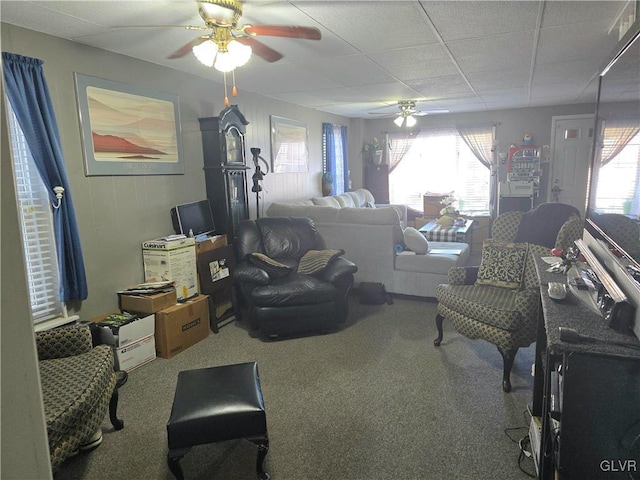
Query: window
618	180
439	161
36	225
334	159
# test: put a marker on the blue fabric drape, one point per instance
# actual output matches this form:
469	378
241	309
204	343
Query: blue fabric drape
330	148
345	158
28	93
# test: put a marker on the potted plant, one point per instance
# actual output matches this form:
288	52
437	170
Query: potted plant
372	151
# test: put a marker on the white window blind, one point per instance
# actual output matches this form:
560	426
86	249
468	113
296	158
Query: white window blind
619	180
439	161
36	225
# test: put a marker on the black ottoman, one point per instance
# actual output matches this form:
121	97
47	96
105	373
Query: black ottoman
217	404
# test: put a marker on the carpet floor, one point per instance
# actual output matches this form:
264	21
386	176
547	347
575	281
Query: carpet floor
374	400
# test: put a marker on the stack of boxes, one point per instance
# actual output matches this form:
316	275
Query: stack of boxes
161	323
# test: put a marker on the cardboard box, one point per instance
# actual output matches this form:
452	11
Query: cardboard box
136	354
182	325
173	260
211	243
131	331
431	203
142	303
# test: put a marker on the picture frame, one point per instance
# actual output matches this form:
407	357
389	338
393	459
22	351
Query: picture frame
289	145
128	130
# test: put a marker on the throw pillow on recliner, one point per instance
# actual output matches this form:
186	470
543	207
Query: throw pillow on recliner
274	268
316	261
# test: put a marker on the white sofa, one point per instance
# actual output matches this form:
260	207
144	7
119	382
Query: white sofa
369	237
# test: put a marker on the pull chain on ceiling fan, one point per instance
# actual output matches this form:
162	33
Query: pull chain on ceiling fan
227	46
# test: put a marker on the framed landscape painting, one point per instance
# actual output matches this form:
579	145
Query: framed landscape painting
128	130
289	146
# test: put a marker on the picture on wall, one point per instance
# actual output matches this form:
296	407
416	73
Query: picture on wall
289	146
128	130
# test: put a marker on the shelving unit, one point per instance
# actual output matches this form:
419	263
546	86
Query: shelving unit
523	179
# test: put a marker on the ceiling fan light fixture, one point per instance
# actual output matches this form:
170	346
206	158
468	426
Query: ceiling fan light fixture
399	120
206	52
235	56
411	121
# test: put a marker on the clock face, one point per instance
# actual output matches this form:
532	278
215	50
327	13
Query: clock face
234	146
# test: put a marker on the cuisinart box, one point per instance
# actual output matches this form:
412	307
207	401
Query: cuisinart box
173	260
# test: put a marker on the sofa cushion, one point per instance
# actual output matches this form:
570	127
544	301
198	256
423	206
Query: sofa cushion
415	241
286	237
293	290
326	202
274	268
502	264
316	261
369	216
494	306
358	197
433	263
345	200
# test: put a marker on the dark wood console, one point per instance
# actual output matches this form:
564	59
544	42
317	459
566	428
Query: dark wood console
586	395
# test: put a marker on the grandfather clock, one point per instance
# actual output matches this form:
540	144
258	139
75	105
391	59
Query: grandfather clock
225	168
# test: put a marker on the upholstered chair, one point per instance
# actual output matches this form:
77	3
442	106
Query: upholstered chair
286	280
78	384
499	300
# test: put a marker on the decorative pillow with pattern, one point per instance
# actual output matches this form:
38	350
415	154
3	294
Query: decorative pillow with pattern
502	264
316	261
274	268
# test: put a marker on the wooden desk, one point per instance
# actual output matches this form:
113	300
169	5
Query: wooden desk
600	392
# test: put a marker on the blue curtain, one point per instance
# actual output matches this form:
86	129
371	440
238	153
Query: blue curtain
330	160
28	94
345	158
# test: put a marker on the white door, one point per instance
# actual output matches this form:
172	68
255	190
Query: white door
572	138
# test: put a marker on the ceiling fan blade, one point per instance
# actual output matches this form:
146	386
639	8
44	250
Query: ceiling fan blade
188	47
260	49
186	27
309	33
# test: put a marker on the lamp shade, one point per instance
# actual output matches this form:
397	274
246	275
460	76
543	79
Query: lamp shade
399	121
206	52
411	121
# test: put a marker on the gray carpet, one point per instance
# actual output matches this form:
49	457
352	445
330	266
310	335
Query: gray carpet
375	400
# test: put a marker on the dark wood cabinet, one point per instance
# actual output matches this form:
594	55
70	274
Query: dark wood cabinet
225	168
376	180
586	396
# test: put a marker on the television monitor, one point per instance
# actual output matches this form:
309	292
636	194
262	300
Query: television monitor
194	216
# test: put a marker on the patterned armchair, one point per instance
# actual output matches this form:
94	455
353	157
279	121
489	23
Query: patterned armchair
499	300
78	382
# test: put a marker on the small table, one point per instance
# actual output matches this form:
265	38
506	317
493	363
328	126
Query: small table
435	233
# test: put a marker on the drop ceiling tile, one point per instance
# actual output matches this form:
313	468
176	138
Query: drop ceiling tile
285	78
574	42
390	92
582	71
387	24
351	71
416	62
441	87
493	79
510	51
571	12
473	19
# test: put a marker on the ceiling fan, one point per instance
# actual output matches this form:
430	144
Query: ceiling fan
226	45
408	112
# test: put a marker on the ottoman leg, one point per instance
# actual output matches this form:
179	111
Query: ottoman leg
263	449
173	461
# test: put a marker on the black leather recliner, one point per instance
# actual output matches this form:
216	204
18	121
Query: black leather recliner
294	302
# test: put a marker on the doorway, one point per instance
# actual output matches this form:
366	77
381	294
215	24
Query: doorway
572	142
